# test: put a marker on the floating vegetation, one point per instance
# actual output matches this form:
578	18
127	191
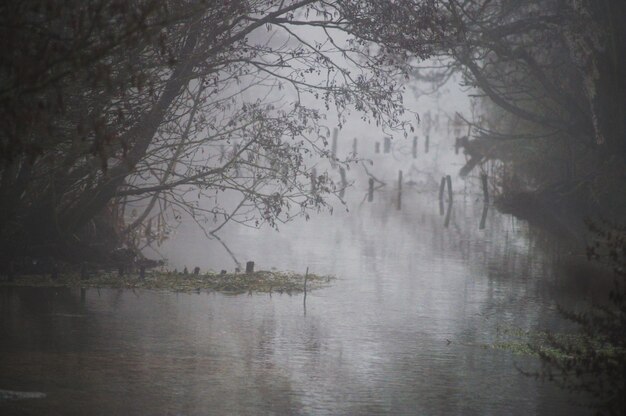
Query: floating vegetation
233	283
524	342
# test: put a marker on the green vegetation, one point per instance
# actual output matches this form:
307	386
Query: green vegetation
596	364
261	281
592	361
524	342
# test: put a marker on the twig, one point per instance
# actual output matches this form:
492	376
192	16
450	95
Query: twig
372	176
232	255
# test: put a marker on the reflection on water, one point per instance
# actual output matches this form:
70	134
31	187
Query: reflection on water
401	331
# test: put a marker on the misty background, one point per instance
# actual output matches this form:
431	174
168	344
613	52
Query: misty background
305	207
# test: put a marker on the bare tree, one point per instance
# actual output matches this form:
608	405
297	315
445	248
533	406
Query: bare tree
153	106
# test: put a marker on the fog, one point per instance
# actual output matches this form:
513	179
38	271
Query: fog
189	245
309	208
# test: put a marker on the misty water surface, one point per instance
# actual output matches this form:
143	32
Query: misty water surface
405	328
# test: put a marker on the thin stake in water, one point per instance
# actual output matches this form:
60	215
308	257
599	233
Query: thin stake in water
306	275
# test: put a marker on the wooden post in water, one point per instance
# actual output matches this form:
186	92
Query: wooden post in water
483	179
344	182
414	147
250	267
377	147
370	192
399	203
442	189
483	218
306	275
426	143
449	181
446	223
387	146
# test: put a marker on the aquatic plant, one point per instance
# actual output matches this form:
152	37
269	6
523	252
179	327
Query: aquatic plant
234	283
594	362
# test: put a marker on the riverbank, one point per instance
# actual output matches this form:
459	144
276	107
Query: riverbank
260	282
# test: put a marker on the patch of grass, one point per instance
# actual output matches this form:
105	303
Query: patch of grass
260	282
523	342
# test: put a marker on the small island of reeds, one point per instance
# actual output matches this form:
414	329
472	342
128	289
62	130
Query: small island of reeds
232	283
